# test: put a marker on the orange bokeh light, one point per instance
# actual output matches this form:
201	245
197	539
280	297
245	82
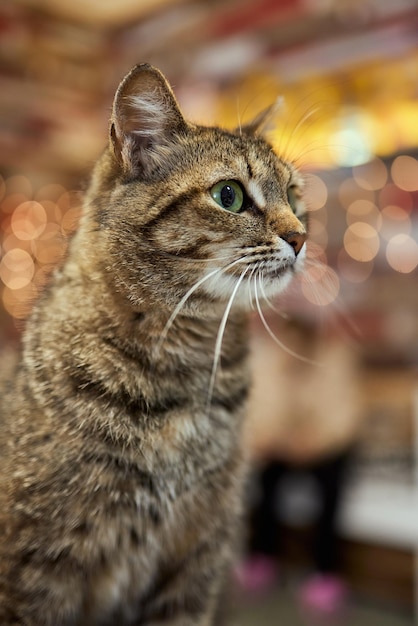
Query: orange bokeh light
364	211
361	241
396	221
316	192
402	253
405	173
28	220
372	175
17	268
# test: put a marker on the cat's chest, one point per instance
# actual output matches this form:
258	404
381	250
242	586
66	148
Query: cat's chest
120	590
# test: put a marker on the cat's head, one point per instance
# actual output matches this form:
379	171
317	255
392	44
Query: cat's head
184	209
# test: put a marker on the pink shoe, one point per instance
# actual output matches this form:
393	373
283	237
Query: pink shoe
324	593
257	574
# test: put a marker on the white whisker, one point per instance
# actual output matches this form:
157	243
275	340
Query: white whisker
220	335
273	336
249	286
239	116
187	295
271	306
299	124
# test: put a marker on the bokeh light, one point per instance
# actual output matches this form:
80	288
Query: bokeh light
391	194
405	173
402	253
17	268
320	284
28	220
12	201
316	192
49	250
361	241
349	192
352	142
364	211
35	224
372	175
318	232
18	302
396	221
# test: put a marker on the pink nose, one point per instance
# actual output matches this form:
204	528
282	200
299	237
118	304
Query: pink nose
296	240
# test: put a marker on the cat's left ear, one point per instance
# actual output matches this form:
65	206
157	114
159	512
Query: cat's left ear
145	120
260	124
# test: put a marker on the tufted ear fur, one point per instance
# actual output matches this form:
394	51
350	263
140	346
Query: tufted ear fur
145	119
262	121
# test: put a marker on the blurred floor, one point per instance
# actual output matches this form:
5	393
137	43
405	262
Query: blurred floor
279	607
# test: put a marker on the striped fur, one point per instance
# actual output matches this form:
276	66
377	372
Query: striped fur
120	464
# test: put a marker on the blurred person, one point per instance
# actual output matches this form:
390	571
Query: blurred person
302	423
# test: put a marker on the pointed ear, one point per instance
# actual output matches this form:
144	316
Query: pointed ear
260	124
145	120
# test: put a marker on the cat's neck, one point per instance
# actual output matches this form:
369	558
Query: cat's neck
86	303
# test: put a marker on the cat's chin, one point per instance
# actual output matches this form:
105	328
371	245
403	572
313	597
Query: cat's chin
251	288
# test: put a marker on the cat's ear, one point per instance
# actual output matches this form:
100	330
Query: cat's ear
261	123
145	120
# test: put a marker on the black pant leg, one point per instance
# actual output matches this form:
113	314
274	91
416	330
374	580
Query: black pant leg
266	535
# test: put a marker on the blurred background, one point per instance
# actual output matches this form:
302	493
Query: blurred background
347	72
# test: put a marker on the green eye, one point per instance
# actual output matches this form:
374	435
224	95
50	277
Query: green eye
292	198
229	195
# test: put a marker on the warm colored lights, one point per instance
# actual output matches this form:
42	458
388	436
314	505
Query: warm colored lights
364	211
17	268
361	241
318	232
377	201
372	175
35	224
11	201
316	193
379	218
405	173
320	284
70	220
349	191
391	194
396	221
18	302
353	139
28	220
402	253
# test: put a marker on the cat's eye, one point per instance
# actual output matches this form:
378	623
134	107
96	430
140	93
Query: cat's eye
292	198
229	195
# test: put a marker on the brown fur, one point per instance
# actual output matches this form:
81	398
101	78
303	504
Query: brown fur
120	460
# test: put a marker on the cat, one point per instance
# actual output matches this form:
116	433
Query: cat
121	466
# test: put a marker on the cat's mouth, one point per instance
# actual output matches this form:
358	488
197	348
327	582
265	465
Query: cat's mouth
277	271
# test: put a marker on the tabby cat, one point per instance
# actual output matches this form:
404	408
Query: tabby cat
121	466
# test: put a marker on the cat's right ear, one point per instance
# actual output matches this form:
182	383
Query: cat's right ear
145	120
262	122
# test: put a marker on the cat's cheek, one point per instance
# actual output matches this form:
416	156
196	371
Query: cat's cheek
272	288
